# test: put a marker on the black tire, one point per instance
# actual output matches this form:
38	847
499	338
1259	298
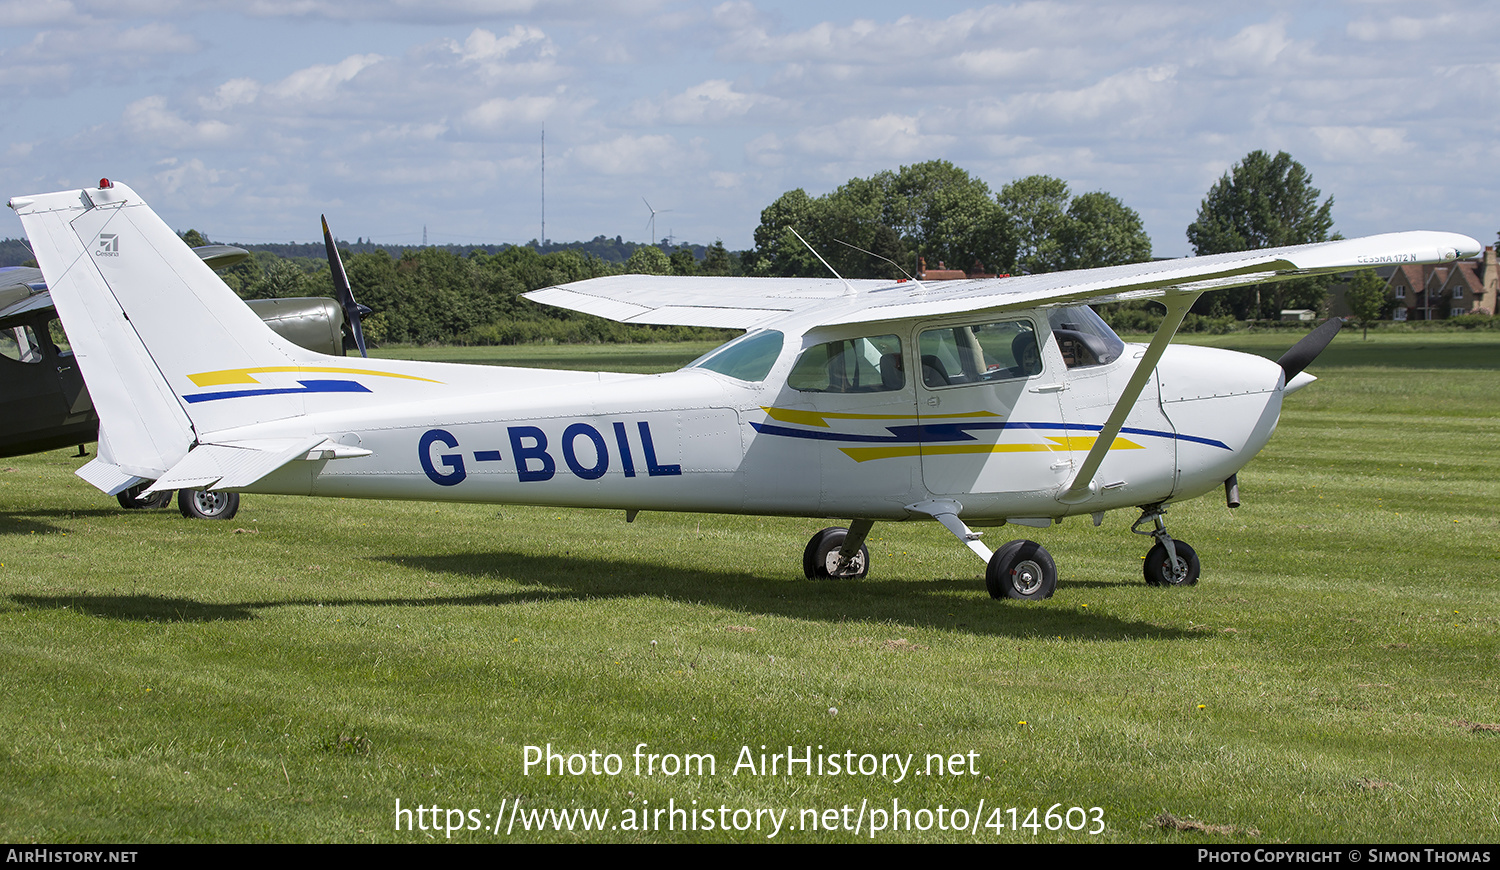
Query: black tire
130	499
198	504
822	553
1156	570
1021	569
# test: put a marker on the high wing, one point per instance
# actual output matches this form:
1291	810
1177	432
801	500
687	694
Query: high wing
745	303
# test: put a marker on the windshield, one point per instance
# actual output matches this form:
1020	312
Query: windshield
747	358
1083	337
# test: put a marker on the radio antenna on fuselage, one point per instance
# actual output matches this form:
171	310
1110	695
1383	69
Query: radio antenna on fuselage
848	288
908	275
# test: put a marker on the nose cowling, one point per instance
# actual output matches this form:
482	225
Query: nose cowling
1223	407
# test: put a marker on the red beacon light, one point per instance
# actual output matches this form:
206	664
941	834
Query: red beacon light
104	184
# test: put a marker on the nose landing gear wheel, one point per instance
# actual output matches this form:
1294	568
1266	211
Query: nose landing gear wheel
1021	569
1183	573
196	504
820	561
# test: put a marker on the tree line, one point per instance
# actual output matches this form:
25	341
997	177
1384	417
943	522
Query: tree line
885	226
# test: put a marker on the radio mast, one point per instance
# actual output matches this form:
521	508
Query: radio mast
544	185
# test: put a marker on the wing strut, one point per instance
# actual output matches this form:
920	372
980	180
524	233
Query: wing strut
1177	308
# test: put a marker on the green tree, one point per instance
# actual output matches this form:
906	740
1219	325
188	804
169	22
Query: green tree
1053	230
777	251
933	209
1102	231
279	279
1263	202
1366	298
1036	209
944	214
649	260
683	262
717	260
195	239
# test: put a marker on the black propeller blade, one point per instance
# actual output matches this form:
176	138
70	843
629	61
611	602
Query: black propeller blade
353	311
1301	354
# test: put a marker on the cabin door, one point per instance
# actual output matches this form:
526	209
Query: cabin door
992	434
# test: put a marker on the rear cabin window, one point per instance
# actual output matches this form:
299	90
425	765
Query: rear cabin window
871	364
955	355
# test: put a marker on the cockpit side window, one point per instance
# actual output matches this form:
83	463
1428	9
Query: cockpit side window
1083	337
954	355
747	358
869	364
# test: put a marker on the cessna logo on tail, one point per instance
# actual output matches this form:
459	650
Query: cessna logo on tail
109	245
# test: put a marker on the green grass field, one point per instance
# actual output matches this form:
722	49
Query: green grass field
292	674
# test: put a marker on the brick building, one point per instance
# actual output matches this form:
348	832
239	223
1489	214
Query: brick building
1439	292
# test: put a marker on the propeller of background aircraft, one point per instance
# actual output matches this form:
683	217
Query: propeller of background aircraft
353	311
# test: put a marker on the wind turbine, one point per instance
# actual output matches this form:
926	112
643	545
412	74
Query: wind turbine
654	213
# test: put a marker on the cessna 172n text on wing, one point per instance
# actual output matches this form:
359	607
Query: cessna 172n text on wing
974	403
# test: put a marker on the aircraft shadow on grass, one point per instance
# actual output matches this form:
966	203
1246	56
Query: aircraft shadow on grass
33	522
942	603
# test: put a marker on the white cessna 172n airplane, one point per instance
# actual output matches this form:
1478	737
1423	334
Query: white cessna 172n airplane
974	403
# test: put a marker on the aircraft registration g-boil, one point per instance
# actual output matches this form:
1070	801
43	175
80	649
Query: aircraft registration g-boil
973	403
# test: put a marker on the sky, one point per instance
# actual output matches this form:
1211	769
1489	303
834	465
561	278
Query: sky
248	119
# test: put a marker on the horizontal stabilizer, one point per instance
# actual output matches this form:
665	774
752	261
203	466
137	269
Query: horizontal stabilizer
107	477
234	464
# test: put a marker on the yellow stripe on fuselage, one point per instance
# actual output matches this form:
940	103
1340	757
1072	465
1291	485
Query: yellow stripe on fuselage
247	376
1065	444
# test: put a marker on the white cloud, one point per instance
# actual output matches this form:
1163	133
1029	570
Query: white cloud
888	139
501	112
31	13
192	175
1401	28
57	61
715	101
725	107
104	44
483	46
1360	144
235	92
149	119
630	155
321	82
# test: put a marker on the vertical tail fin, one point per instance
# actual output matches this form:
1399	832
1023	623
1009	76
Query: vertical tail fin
151	326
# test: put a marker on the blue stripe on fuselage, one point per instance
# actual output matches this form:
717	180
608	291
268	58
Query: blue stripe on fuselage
949	433
306	387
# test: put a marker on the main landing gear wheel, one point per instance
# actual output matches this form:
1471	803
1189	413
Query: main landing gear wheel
1183	573
130	499
820	561
197	504
1021	569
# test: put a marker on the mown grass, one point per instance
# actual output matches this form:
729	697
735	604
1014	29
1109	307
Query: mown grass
293	673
